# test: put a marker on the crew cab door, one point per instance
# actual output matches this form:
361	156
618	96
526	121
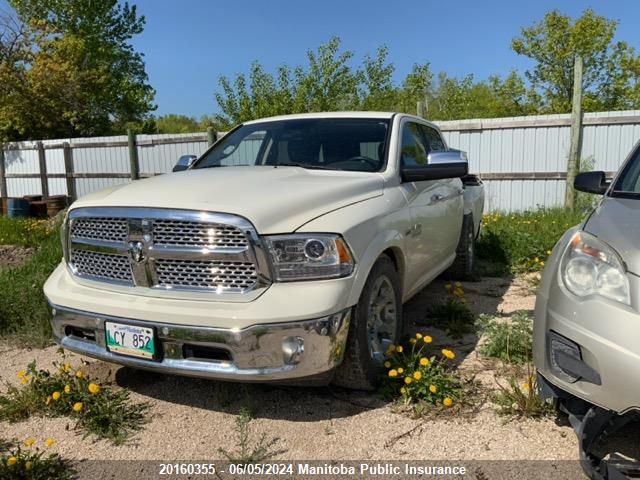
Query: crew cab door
436	208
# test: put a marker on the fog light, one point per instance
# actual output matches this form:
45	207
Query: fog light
292	350
563	352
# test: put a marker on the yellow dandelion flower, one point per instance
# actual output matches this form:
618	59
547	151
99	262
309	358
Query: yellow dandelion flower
427	339
49	442
11	461
403	391
392	373
79	374
67	389
400	370
536	259
458	292
447	402
542	264
24	380
66	367
392	348
525	387
433	389
399	349
548	252
29	442
417	375
94	388
55	396
21	373
387	364
447	286
413	341
77	407
418	336
424	361
408	380
448	353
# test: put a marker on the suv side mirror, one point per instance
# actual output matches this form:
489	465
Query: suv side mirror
591	182
448	164
184	162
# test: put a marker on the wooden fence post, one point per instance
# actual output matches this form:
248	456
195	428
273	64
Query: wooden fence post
3	178
133	155
420	109
212	136
68	170
573	163
44	179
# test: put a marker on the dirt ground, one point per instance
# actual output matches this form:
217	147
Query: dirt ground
193	418
13	256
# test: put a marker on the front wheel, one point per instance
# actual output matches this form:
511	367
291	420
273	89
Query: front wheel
376	324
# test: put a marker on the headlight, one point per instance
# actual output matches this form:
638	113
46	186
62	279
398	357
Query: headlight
590	266
309	256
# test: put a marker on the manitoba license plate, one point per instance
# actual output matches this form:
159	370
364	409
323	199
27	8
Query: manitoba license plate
130	340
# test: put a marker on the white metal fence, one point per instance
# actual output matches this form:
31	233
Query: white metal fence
521	159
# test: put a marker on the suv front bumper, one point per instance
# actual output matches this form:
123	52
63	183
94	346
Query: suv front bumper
261	353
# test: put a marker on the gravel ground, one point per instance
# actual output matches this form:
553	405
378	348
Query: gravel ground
12	256
193	418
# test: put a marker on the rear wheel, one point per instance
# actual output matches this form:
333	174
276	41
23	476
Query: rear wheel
375	324
464	266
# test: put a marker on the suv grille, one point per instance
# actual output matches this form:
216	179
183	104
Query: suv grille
197	234
164	249
102	265
222	276
107	229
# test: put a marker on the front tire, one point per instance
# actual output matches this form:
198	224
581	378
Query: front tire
376	323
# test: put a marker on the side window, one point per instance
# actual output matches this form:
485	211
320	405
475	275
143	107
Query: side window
413	150
436	144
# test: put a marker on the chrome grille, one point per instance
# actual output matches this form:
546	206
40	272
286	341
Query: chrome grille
197	234
220	276
106	229
102	265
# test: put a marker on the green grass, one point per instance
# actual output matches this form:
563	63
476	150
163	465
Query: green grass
509	340
23	309
521	242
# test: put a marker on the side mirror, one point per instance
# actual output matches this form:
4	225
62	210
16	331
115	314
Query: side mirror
591	182
184	162
448	164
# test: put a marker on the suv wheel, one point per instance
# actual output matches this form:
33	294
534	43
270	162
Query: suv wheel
375	324
464	266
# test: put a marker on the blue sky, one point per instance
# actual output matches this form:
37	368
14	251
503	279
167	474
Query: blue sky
188	43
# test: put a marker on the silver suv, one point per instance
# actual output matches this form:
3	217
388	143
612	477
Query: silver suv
587	316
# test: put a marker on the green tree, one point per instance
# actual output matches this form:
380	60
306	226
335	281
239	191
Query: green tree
174	123
610	68
79	74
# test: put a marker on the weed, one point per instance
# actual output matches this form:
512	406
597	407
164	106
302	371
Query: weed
246	453
520	399
420	376
522	241
453	315
509	340
25	232
28	461
98	410
24	313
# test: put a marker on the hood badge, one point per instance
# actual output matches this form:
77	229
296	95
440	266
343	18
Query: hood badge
136	251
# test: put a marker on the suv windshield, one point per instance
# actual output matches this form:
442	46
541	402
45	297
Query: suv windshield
628	183
324	143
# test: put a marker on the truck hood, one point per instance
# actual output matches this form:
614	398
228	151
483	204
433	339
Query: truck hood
616	221
275	200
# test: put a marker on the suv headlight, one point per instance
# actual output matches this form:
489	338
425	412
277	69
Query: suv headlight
309	256
591	267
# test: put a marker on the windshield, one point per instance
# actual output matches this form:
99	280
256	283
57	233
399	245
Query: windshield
320	143
628	183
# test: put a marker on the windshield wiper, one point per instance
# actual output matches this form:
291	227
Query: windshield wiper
304	165
211	166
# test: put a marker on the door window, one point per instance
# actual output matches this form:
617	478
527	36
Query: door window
414	150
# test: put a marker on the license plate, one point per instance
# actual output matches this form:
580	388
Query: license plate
130	340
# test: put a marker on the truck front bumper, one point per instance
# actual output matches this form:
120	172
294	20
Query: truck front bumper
261	353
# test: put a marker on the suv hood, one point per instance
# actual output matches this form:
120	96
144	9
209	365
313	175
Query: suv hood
616	221
275	200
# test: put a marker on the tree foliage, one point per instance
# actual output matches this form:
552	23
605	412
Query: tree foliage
67	69
610	68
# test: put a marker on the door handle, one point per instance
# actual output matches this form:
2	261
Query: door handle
437	198
415	230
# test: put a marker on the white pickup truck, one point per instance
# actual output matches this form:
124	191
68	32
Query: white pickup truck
290	264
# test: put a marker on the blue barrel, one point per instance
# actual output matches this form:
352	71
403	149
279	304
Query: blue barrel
17	207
